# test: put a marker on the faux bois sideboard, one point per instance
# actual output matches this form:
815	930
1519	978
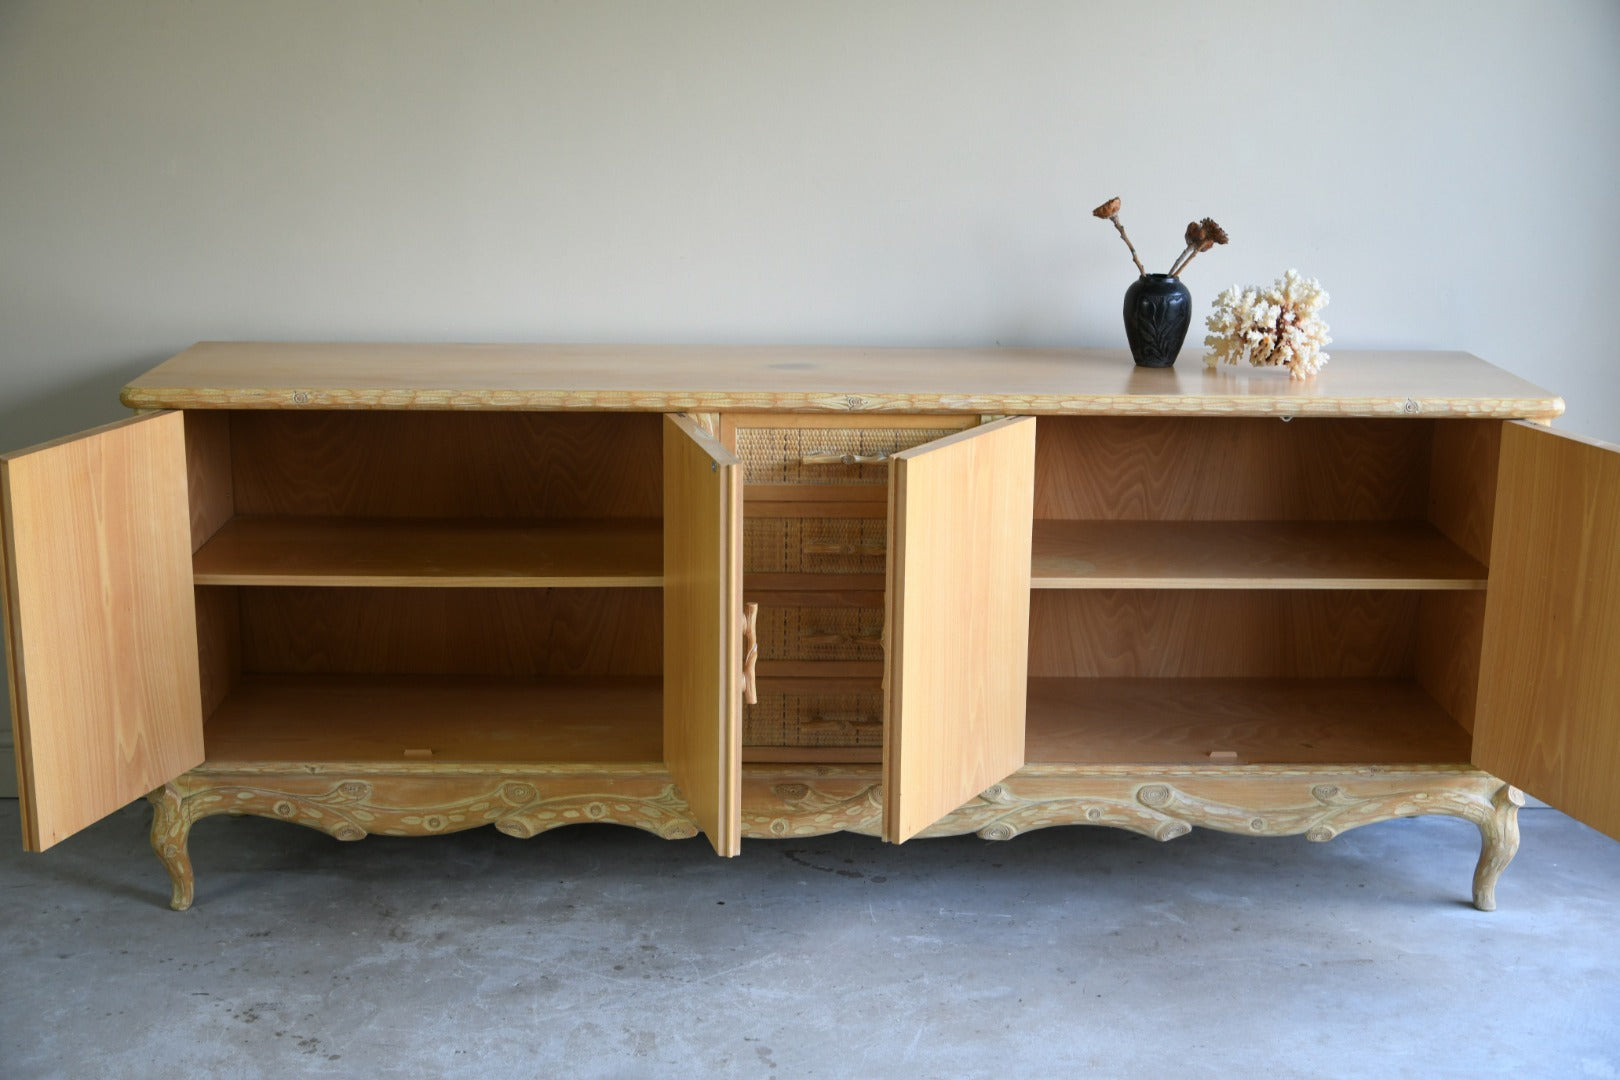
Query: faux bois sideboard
777	592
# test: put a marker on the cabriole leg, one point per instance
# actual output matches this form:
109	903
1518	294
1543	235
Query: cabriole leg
171	830
1499	842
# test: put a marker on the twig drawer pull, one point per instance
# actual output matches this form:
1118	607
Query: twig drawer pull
834	547
833	637
837	457
847	724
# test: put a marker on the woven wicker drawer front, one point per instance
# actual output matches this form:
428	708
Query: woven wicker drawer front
795	718
842	545
836	455
820	633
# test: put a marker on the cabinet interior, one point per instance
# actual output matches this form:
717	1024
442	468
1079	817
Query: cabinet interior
1225	590
388	586
396	586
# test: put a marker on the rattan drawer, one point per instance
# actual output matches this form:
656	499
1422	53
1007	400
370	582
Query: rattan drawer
789	714
827	455
815	545
815	632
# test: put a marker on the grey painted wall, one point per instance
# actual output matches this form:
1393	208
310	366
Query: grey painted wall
887	173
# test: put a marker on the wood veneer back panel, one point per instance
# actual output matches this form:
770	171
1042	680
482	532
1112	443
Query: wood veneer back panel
379	631
447	464
1462	482
1219	633
219	644
208	473
1231	469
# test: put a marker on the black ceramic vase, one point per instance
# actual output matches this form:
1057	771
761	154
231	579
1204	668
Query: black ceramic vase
1158	310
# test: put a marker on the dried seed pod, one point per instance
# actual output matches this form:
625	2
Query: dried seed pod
1107	209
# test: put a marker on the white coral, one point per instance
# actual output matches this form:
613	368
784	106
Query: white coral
1274	326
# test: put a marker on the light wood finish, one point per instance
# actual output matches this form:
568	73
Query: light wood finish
446	465
1222	633
513	632
1549	697
1240	721
602	553
803	378
1248	555
703	648
1462	482
957	620
208	473
101	634
296	718
1217	469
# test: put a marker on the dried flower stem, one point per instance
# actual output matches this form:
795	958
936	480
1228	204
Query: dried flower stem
1126	237
1183	259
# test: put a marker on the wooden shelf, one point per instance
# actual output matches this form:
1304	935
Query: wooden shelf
606	553
1248	555
1239	722
415	719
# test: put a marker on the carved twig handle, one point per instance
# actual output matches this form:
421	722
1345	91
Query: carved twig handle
750	629
833	637
845	725
836	457
833	547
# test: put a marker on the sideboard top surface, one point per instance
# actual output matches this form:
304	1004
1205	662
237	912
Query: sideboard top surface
666	378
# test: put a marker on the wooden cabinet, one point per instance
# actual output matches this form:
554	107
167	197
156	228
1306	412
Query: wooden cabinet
775	593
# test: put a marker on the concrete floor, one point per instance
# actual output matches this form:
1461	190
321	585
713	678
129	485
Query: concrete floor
603	952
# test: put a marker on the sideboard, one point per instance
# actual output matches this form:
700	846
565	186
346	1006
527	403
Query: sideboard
777	592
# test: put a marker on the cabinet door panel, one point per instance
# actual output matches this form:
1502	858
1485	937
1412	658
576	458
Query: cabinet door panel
101	629
703	628
1549	695
960	517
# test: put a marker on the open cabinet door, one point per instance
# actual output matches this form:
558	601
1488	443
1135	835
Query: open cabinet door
101	626
1548	719
960	517
703	628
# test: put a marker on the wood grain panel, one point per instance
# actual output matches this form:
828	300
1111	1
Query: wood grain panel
208	473
219	644
418	553
451	464
828	380
1462	482
1549	697
315	718
1218	633
1249	555
1202	469
101	632
957	620
452	631
1451	627
703	649
1239	722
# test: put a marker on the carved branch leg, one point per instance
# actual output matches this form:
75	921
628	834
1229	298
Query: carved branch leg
1499	842
171	829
